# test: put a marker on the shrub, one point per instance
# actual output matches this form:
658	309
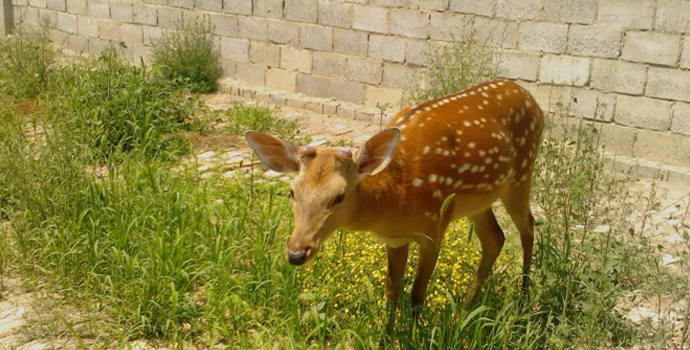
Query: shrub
187	56
26	60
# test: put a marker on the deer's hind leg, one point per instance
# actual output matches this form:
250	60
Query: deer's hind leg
491	238
516	202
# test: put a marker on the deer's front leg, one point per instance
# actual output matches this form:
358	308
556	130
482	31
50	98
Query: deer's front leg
428	255
397	260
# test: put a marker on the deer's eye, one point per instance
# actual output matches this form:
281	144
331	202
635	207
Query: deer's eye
338	199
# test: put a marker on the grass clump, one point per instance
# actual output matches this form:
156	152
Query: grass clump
240	118
26	61
187	56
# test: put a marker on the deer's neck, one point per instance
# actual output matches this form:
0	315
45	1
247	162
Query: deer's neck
378	198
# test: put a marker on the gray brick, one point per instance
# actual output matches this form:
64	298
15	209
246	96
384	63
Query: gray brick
673	16
519	65
643	112
121	12
169	17
617	139
564	70
681	119
668	83
209	5
109	30
49	16
151	34
237	7
685	57
388	48
281	79
571	11
433	5
447	26
350	41
144	14
67	22
496	32
335	14
98	9
131	33
382	96
77	8
225	25
346	91
589	104
662	146
371	19
316	37
542	37
364	70
520	9
268	8
87	26
329	64
251	73
412	24
388	3
185	4
78	43
253	28
264	53
313	85
38	3
594	41
234	49
618	76
97	45
293	58
399	76
484	7
416	52
301	10
627	13
58	5
651	48
283	32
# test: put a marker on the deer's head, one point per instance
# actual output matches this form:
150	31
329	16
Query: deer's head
324	189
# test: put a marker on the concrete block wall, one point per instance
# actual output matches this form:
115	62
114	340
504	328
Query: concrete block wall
622	63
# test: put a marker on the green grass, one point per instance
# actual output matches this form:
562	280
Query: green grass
26	61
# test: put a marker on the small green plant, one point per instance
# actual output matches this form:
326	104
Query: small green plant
240	118
187	56
26	61
453	67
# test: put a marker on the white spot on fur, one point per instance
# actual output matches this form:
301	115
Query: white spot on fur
426	149
432	178
471	144
463	168
449	180
438	194
417	182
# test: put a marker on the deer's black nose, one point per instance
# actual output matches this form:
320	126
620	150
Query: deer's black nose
297	257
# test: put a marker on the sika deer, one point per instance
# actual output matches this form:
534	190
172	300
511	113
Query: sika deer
478	145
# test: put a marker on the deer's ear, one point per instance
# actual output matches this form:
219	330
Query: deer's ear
276	154
377	152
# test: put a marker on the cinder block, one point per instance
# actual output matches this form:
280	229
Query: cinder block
283	32
673	16
448	26
251	73
350	41
108	30
416	52
399	76
388	3
519	65
47	16
87	26
97	45
388	48
685	56
571	11
253	28
496	32
669	83
542	37
144	14
185	4
38	3
431	5
520	10
411	24
209	5
643	112
67	22
382	96
281	79
335	14
329	64
58	5
627	13
651	47
681	119
595	41
264	53
316	37
301	10
370	19
346	91
617	139
28	15
589	104
618	76
237	7
293	58
564	70
78	44
483	8
224	25
121	12
98	9
662	147
364	70
234	49
151	34
131	33
77	8
169	17
313	85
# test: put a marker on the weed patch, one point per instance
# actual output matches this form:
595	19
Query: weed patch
26	62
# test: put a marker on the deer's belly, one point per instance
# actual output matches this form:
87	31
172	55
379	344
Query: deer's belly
392	242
